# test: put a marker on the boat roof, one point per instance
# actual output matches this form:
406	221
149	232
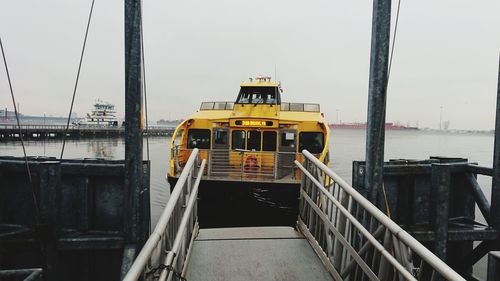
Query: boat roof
259	84
292	116
260	81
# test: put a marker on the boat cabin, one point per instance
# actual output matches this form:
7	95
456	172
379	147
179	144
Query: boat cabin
257	137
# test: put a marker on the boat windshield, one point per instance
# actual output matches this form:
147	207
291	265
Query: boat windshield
258	95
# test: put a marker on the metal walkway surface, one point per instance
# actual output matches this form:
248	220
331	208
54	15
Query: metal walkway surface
257	253
339	236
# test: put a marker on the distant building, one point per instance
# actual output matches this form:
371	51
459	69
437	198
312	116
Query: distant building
446	125
7	115
169	123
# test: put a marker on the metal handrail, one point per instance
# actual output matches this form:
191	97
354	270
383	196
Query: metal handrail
353	237
28	274
173	226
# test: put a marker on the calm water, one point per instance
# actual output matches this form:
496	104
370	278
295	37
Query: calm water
346	146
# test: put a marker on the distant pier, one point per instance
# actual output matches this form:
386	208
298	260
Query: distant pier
53	132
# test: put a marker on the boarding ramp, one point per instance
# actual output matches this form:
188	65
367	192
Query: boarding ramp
339	236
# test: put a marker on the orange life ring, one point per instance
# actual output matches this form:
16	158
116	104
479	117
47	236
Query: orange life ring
251	163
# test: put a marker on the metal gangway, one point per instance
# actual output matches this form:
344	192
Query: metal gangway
339	235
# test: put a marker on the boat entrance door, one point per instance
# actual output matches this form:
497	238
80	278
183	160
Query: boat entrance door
287	149
219	155
221	138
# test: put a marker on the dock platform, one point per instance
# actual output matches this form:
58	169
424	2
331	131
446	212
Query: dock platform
52	132
256	253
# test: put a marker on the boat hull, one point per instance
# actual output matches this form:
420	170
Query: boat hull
223	203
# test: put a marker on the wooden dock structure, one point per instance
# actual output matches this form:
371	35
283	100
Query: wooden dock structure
51	132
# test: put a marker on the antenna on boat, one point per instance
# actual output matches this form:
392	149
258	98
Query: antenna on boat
275	71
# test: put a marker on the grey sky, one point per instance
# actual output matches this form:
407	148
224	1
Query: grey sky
446	54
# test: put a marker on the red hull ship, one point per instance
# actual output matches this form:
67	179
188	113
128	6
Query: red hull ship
388	126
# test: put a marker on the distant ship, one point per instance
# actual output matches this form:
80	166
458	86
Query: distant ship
102	115
388	126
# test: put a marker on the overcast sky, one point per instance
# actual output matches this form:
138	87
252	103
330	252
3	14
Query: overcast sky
446	55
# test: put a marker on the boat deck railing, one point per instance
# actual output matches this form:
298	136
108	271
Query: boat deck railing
217	105
300	107
244	164
284	106
355	240
248	165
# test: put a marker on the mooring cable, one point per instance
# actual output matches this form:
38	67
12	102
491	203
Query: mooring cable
391	56
35	203
77	78
144	86
393	43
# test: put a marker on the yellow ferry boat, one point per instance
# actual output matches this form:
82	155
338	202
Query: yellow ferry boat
250	146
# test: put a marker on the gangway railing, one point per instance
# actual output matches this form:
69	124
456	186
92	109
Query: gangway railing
28	274
168	247
354	239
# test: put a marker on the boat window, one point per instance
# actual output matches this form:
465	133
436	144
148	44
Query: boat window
198	138
220	106
311	107
297	107
259	95
311	141
287	139
238	140
269	141
253	140
178	138
207	106
229	105
220	137
285	106
258	98
244	98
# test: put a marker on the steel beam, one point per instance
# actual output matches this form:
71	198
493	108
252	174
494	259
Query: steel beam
29	274
477	253
133	119
479	197
494	266
495	189
440	195
377	93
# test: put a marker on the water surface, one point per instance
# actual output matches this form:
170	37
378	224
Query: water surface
346	146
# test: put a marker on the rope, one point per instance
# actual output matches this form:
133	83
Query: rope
35	203
391	56
168	268
387	208
393	43
144	87
77	78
